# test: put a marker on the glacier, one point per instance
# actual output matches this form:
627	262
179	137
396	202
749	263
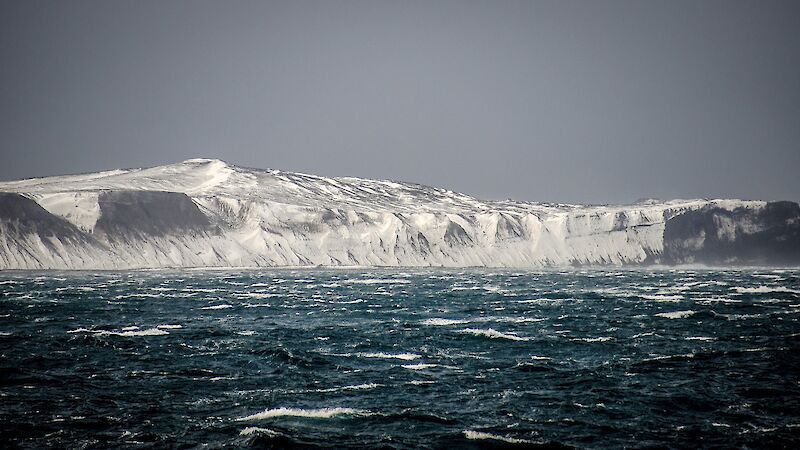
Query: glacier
207	213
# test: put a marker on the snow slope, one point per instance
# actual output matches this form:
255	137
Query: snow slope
204	212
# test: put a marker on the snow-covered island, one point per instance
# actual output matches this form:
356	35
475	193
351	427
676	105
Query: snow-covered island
206	213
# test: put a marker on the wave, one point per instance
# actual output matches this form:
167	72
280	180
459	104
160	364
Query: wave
321	413
669	357
662	298
376	281
225	306
256	430
349	302
595	339
126	332
436	322
420	366
421	382
713	300
510	319
739	316
545	301
354	387
677	314
480	435
764	290
649	333
256	295
403	356
493	334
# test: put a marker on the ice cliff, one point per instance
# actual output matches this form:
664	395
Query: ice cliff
204	212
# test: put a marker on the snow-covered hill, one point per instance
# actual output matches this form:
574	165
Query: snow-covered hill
204	212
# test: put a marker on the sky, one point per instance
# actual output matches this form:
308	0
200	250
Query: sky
562	101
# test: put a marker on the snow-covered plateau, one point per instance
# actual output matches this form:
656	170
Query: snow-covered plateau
206	213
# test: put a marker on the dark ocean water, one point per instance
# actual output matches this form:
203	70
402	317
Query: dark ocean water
401	359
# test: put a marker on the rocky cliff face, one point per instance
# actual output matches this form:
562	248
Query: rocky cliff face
712	235
207	213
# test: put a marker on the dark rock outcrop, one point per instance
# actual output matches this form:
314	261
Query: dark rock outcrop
710	235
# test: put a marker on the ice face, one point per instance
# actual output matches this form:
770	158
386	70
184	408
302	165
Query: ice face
205	212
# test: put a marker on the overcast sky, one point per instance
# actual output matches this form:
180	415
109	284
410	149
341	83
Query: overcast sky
588	101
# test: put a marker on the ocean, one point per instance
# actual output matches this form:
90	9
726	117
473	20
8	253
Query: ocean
401	358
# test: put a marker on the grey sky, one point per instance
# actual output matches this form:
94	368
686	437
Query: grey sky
589	101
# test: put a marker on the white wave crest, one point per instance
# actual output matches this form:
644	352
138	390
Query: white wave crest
321	413
764	289
437	322
480	435
595	339
226	306
256	430
420	366
354	387
493	334
403	356
377	281
662	298
128	333
677	314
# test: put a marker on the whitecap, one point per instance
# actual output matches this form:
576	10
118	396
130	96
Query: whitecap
740	316
169	327
677	314
480	435
594	339
129	333
353	387
321	413
663	357
712	300
148	332
403	356
376	281
493	334
662	298
700	338
649	333
420	366
764	289
510	319
256	430
226	306
436	321
257	295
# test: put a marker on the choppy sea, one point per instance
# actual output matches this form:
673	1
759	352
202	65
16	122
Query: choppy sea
400	359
